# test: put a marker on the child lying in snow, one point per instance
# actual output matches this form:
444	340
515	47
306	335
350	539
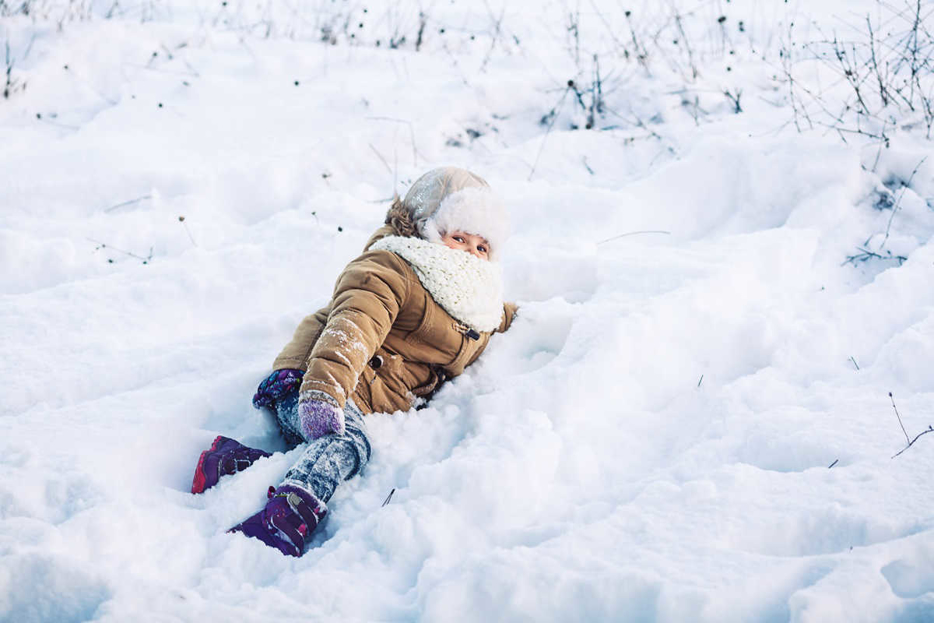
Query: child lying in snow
414	310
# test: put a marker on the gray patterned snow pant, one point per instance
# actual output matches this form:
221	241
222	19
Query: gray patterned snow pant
326	461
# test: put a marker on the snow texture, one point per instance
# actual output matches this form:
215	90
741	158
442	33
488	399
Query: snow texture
470	289
650	441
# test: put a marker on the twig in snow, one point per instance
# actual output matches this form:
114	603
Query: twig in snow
192	72
411	134
865	255
587	166
64	126
551	123
786	55
609	29
882	144
884	67
638	122
896	206
90	87
835	461
455	64
422	22
641	52
498	28
633	233
687	44
700	380
101	245
692	107
380	156
899	419
574	22
181	219
11	84
854	362
930	429
883	92
29	47
127	203
389	497
734	98
596	95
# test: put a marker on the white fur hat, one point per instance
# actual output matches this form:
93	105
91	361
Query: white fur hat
451	199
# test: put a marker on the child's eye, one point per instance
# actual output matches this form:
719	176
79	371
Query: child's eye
481	249
458	239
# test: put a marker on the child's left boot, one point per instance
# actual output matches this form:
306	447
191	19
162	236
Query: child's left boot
286	522
225	456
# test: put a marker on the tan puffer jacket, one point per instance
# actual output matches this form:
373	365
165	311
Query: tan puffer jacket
383	340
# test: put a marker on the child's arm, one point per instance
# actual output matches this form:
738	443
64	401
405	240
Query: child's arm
295	354
509	314
368	296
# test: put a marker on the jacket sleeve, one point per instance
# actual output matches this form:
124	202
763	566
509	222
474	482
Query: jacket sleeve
509	314
295	354
367	298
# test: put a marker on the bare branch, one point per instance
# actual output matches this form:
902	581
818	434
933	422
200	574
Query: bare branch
127	203
899	418
634	233
912	442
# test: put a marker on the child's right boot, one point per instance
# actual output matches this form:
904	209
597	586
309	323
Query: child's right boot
225	456
290	516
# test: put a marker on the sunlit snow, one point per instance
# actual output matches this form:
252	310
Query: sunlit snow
689	419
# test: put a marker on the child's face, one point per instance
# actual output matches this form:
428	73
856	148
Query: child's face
475	245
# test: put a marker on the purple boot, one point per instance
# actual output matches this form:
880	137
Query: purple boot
225	456
290	516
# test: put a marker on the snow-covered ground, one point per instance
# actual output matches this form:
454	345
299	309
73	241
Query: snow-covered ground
181	182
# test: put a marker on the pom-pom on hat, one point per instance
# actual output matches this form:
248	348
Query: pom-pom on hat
451	199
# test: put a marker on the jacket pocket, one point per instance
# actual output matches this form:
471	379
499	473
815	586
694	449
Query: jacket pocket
386	365
379	383
422	333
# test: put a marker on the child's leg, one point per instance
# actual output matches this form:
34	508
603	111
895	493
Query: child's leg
331	459
228	456
296	506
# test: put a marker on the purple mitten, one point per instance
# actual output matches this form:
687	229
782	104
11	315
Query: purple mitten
278	384
320	415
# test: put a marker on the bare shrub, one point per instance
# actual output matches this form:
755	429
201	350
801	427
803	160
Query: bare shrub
886	65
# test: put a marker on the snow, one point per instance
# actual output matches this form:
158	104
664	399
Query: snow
650	441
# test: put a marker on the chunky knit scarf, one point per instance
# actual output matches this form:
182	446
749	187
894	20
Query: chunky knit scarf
466	287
